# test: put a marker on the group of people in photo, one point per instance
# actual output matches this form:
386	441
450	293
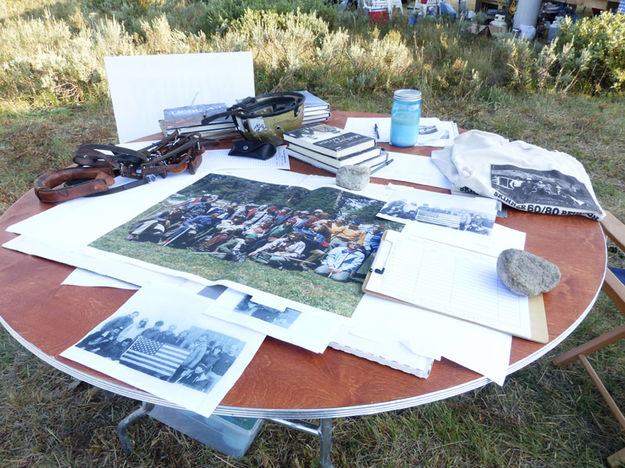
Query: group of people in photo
273	235
550	187
190	357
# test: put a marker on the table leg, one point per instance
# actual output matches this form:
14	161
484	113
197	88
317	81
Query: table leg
122	427
325	442
323	432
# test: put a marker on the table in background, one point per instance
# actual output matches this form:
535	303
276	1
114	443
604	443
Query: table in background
284	381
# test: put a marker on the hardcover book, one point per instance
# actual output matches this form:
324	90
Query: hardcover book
315	118
374	163
329	140
338	162
222	133
316	112
198	109
192	116
312	102
216	128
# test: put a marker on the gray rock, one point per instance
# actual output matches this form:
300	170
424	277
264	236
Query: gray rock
525	273
352	177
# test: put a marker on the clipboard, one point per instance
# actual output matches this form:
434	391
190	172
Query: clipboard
386	263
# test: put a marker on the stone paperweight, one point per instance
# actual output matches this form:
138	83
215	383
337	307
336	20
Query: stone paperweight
352	177
525	273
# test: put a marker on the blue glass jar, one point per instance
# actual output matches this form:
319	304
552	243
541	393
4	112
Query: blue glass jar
405	117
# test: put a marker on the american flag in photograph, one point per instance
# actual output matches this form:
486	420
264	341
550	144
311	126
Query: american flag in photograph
153	357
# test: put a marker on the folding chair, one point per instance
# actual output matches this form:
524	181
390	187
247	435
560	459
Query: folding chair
614	287
426	7
389	5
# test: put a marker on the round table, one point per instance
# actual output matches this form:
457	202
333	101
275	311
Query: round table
284	381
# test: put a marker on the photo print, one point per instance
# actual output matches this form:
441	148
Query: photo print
521	187
289	321
305	245
471	214
435	132
281	318
188	358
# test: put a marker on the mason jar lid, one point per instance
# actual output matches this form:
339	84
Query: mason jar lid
407	95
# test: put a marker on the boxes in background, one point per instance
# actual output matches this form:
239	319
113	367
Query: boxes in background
378	15
230	435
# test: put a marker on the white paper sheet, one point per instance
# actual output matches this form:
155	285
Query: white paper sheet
142	87
500	239
436	132
407	332
412	168
432	131
180	371
367	126
389	353
219	160
214	160
82	277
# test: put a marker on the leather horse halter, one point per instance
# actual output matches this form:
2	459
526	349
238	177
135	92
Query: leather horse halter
98	165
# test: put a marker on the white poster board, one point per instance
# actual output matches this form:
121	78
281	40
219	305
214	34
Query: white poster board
141	86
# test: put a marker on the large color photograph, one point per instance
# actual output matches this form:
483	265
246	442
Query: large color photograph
313	247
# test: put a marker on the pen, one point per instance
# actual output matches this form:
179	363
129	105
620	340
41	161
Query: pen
376	131
377	167
381	257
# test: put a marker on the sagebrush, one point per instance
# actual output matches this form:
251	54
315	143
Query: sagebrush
54	60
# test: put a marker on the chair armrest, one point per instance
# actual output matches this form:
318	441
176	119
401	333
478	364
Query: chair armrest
614	229
615	290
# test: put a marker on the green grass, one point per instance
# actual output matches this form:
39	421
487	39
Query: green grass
542	417
35	141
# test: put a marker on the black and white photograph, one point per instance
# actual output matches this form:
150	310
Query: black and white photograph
475	214
436	132
547	188
188	358
282	318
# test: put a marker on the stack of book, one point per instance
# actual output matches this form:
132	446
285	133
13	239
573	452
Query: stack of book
188	119
316	110
329	148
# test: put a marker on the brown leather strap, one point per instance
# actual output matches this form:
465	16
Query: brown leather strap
99	164
74	182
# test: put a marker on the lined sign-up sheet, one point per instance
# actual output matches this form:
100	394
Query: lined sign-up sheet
447	279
